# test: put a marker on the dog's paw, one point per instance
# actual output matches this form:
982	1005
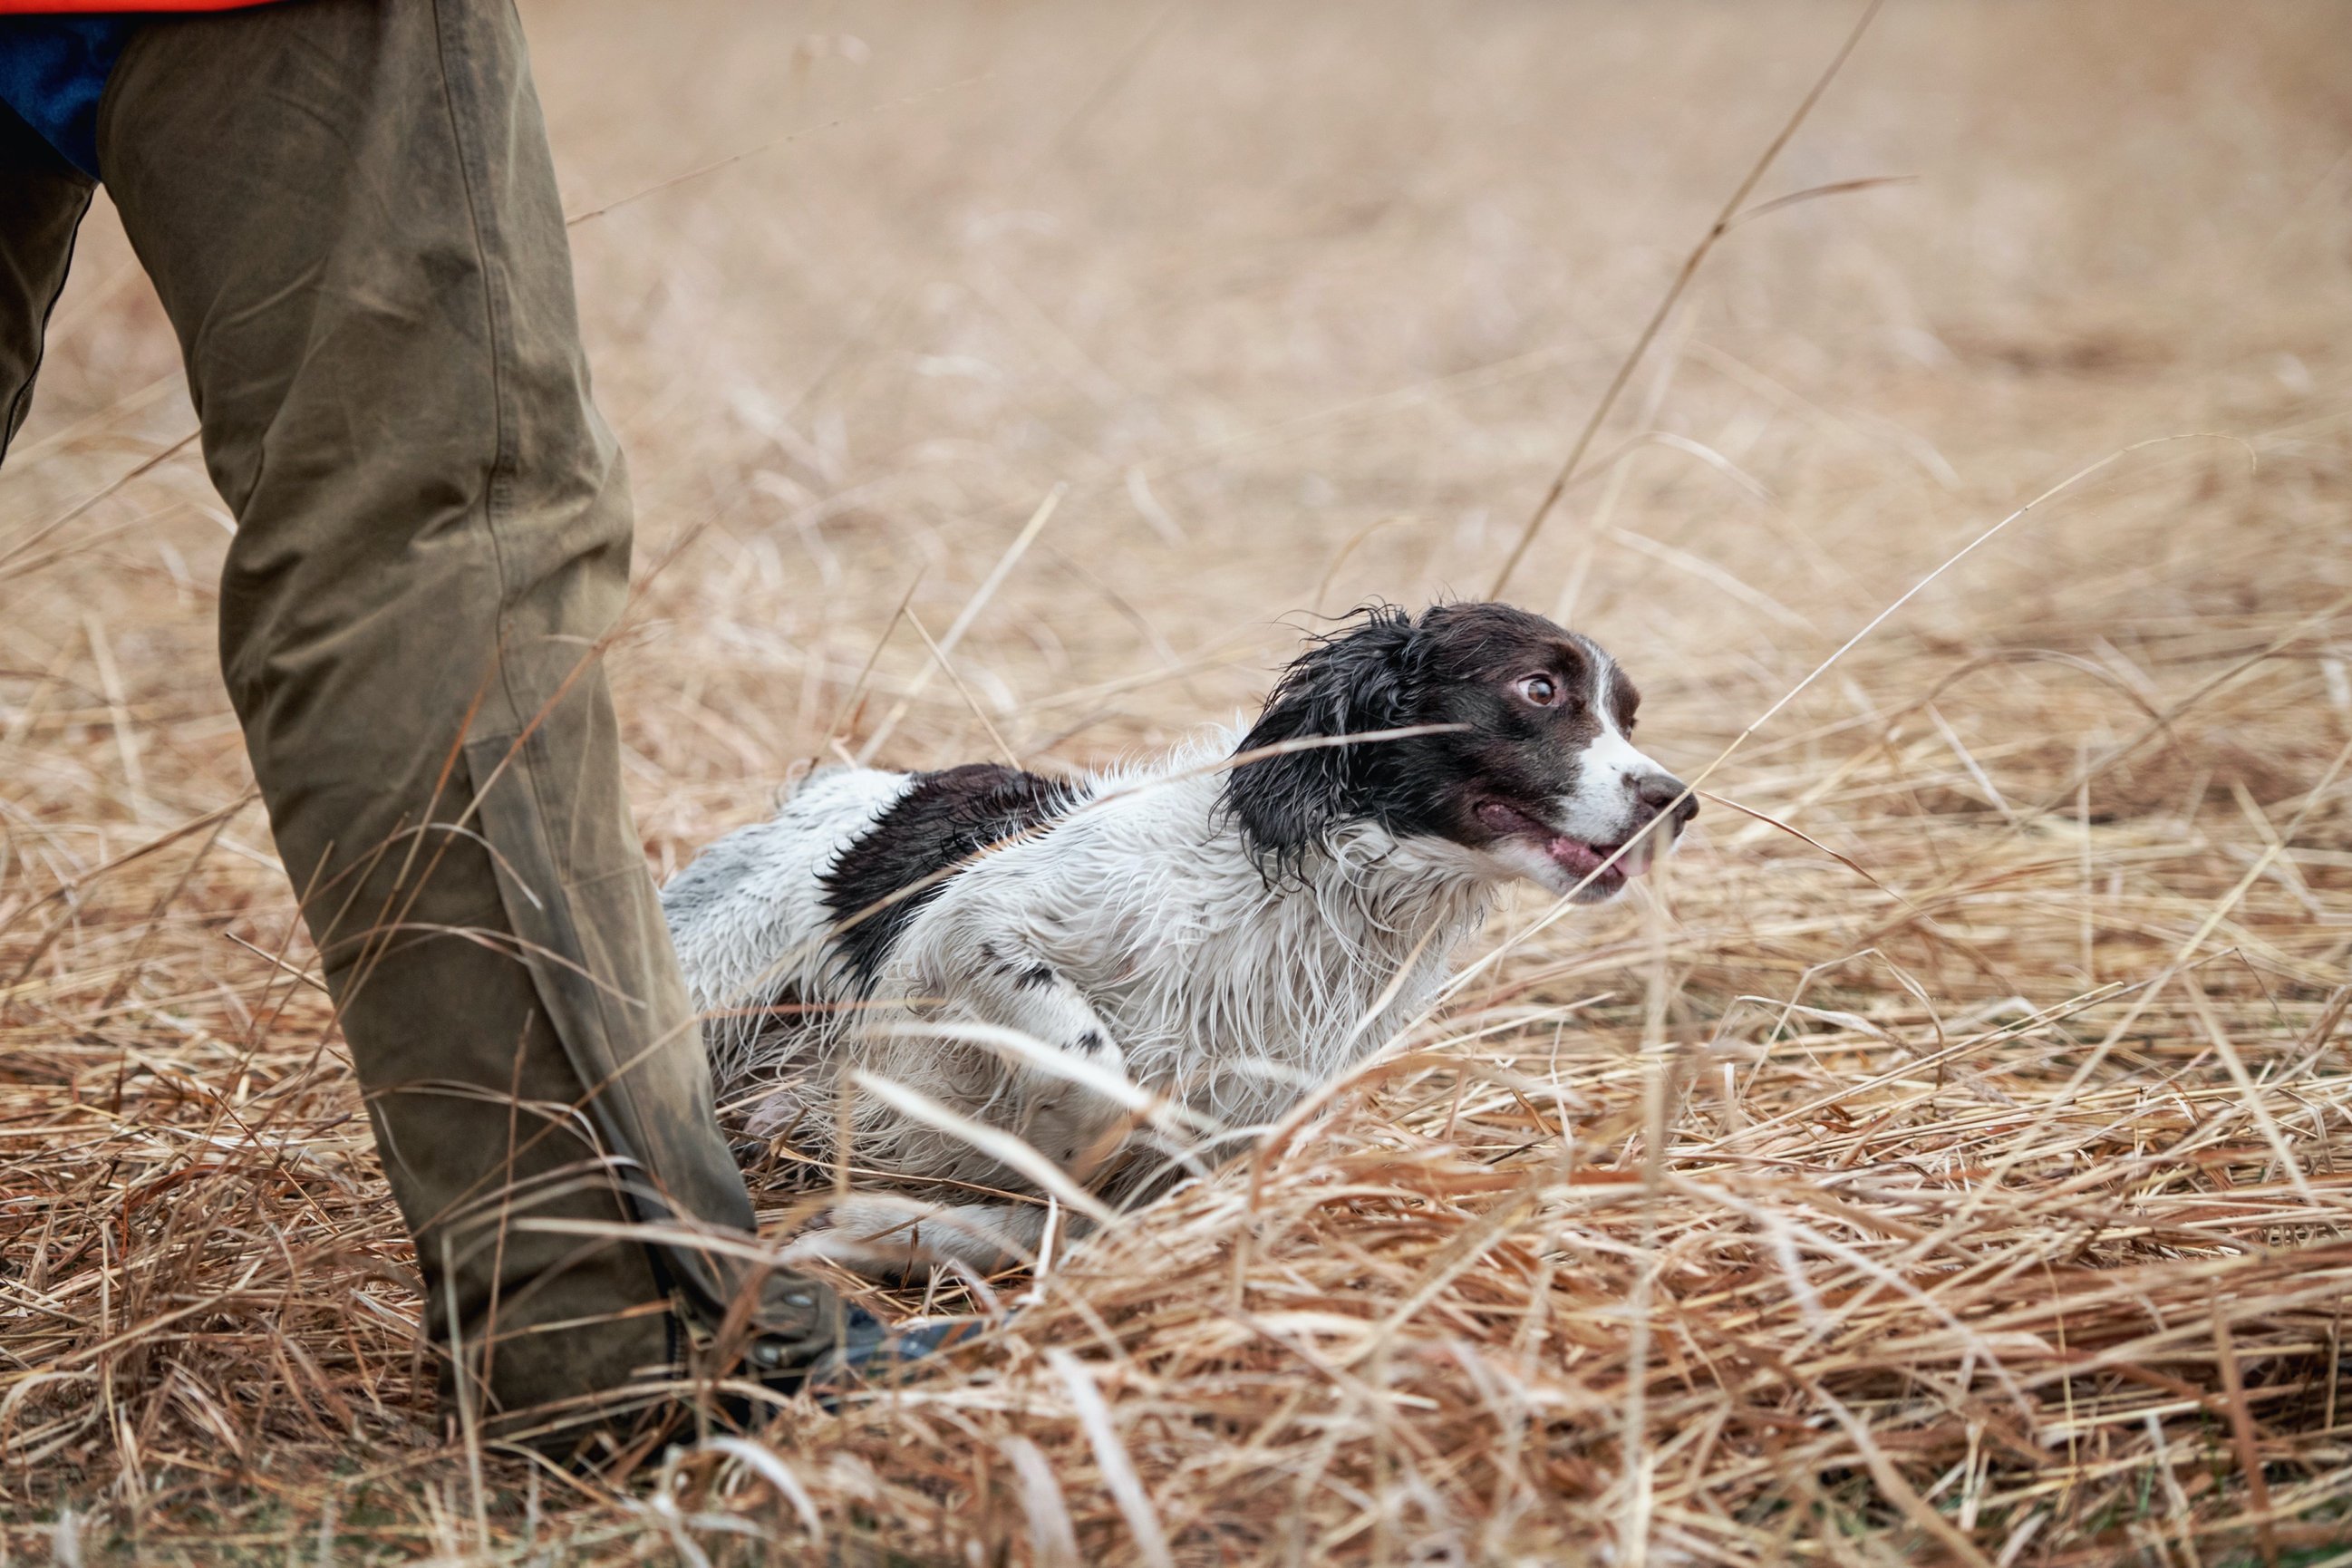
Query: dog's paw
882	1247
896	1241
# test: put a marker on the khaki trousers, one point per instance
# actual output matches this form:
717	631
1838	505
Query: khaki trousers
349	210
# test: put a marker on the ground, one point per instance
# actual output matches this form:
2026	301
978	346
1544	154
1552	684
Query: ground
1937	1164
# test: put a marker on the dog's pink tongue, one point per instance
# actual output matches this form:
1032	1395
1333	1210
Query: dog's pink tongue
1581	859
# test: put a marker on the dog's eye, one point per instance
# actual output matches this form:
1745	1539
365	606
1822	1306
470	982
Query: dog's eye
1539	690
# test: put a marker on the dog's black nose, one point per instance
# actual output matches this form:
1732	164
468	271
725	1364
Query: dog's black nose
1656	791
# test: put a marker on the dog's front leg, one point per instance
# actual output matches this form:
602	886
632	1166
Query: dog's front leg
1008	983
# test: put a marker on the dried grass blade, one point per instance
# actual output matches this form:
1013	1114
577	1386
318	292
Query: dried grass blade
1690	267
1892	1482
2241	1434
777	1474
1769	819
969	612
1111	1456
1053	1539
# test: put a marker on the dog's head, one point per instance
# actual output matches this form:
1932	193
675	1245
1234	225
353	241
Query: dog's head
1541	779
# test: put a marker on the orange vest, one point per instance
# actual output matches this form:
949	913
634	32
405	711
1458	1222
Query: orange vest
85	7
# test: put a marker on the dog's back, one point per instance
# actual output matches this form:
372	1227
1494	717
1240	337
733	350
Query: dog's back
749	916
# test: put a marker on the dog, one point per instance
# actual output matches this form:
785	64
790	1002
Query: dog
1223	929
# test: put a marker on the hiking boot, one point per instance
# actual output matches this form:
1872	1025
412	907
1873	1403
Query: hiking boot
868	1350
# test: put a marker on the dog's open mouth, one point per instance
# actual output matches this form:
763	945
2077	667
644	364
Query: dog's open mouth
1574	856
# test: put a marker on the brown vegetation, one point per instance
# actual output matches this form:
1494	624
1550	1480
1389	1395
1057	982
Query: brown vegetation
1989	1199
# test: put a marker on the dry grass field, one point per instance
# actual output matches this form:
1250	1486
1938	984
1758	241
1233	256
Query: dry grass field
1956	1181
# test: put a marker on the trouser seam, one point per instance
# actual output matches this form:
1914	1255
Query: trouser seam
473	170
458	82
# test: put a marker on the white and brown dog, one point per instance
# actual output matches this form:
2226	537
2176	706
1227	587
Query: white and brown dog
1225	937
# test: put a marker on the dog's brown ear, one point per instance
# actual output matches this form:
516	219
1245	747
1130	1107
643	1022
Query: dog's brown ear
1350	683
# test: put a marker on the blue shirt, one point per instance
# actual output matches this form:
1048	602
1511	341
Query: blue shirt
53	71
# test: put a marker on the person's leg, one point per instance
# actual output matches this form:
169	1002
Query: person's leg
361	246
44	198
